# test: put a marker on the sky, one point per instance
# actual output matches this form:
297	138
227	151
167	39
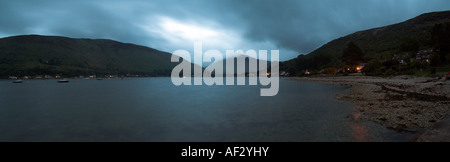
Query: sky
291	26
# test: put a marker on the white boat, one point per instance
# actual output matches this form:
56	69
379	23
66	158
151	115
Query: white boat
18	81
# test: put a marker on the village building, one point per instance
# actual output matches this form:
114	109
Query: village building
400	58
424	55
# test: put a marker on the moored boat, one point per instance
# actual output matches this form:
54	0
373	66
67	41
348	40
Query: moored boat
18	81
63	81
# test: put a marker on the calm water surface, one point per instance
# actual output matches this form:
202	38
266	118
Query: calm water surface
153	109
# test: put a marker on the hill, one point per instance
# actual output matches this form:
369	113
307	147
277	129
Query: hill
51	55
375	43
247	70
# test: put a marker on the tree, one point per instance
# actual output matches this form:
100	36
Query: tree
436	35
352	55
373	67
440	40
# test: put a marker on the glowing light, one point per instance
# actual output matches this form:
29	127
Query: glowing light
187	31
182	33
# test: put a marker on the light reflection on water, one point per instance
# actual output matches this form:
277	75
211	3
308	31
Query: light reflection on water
358	129
153	109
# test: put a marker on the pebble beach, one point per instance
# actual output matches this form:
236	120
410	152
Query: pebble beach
402	103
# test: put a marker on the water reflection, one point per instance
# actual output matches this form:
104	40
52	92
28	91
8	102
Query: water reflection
359	132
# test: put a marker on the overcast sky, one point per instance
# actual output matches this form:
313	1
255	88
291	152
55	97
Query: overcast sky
292	26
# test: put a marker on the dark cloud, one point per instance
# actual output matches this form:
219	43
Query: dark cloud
293	26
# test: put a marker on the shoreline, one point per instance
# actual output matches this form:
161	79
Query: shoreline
403	103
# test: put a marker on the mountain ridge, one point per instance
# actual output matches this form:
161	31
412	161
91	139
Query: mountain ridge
375	42
40	55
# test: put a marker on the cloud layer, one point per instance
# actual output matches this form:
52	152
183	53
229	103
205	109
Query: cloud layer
292	26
